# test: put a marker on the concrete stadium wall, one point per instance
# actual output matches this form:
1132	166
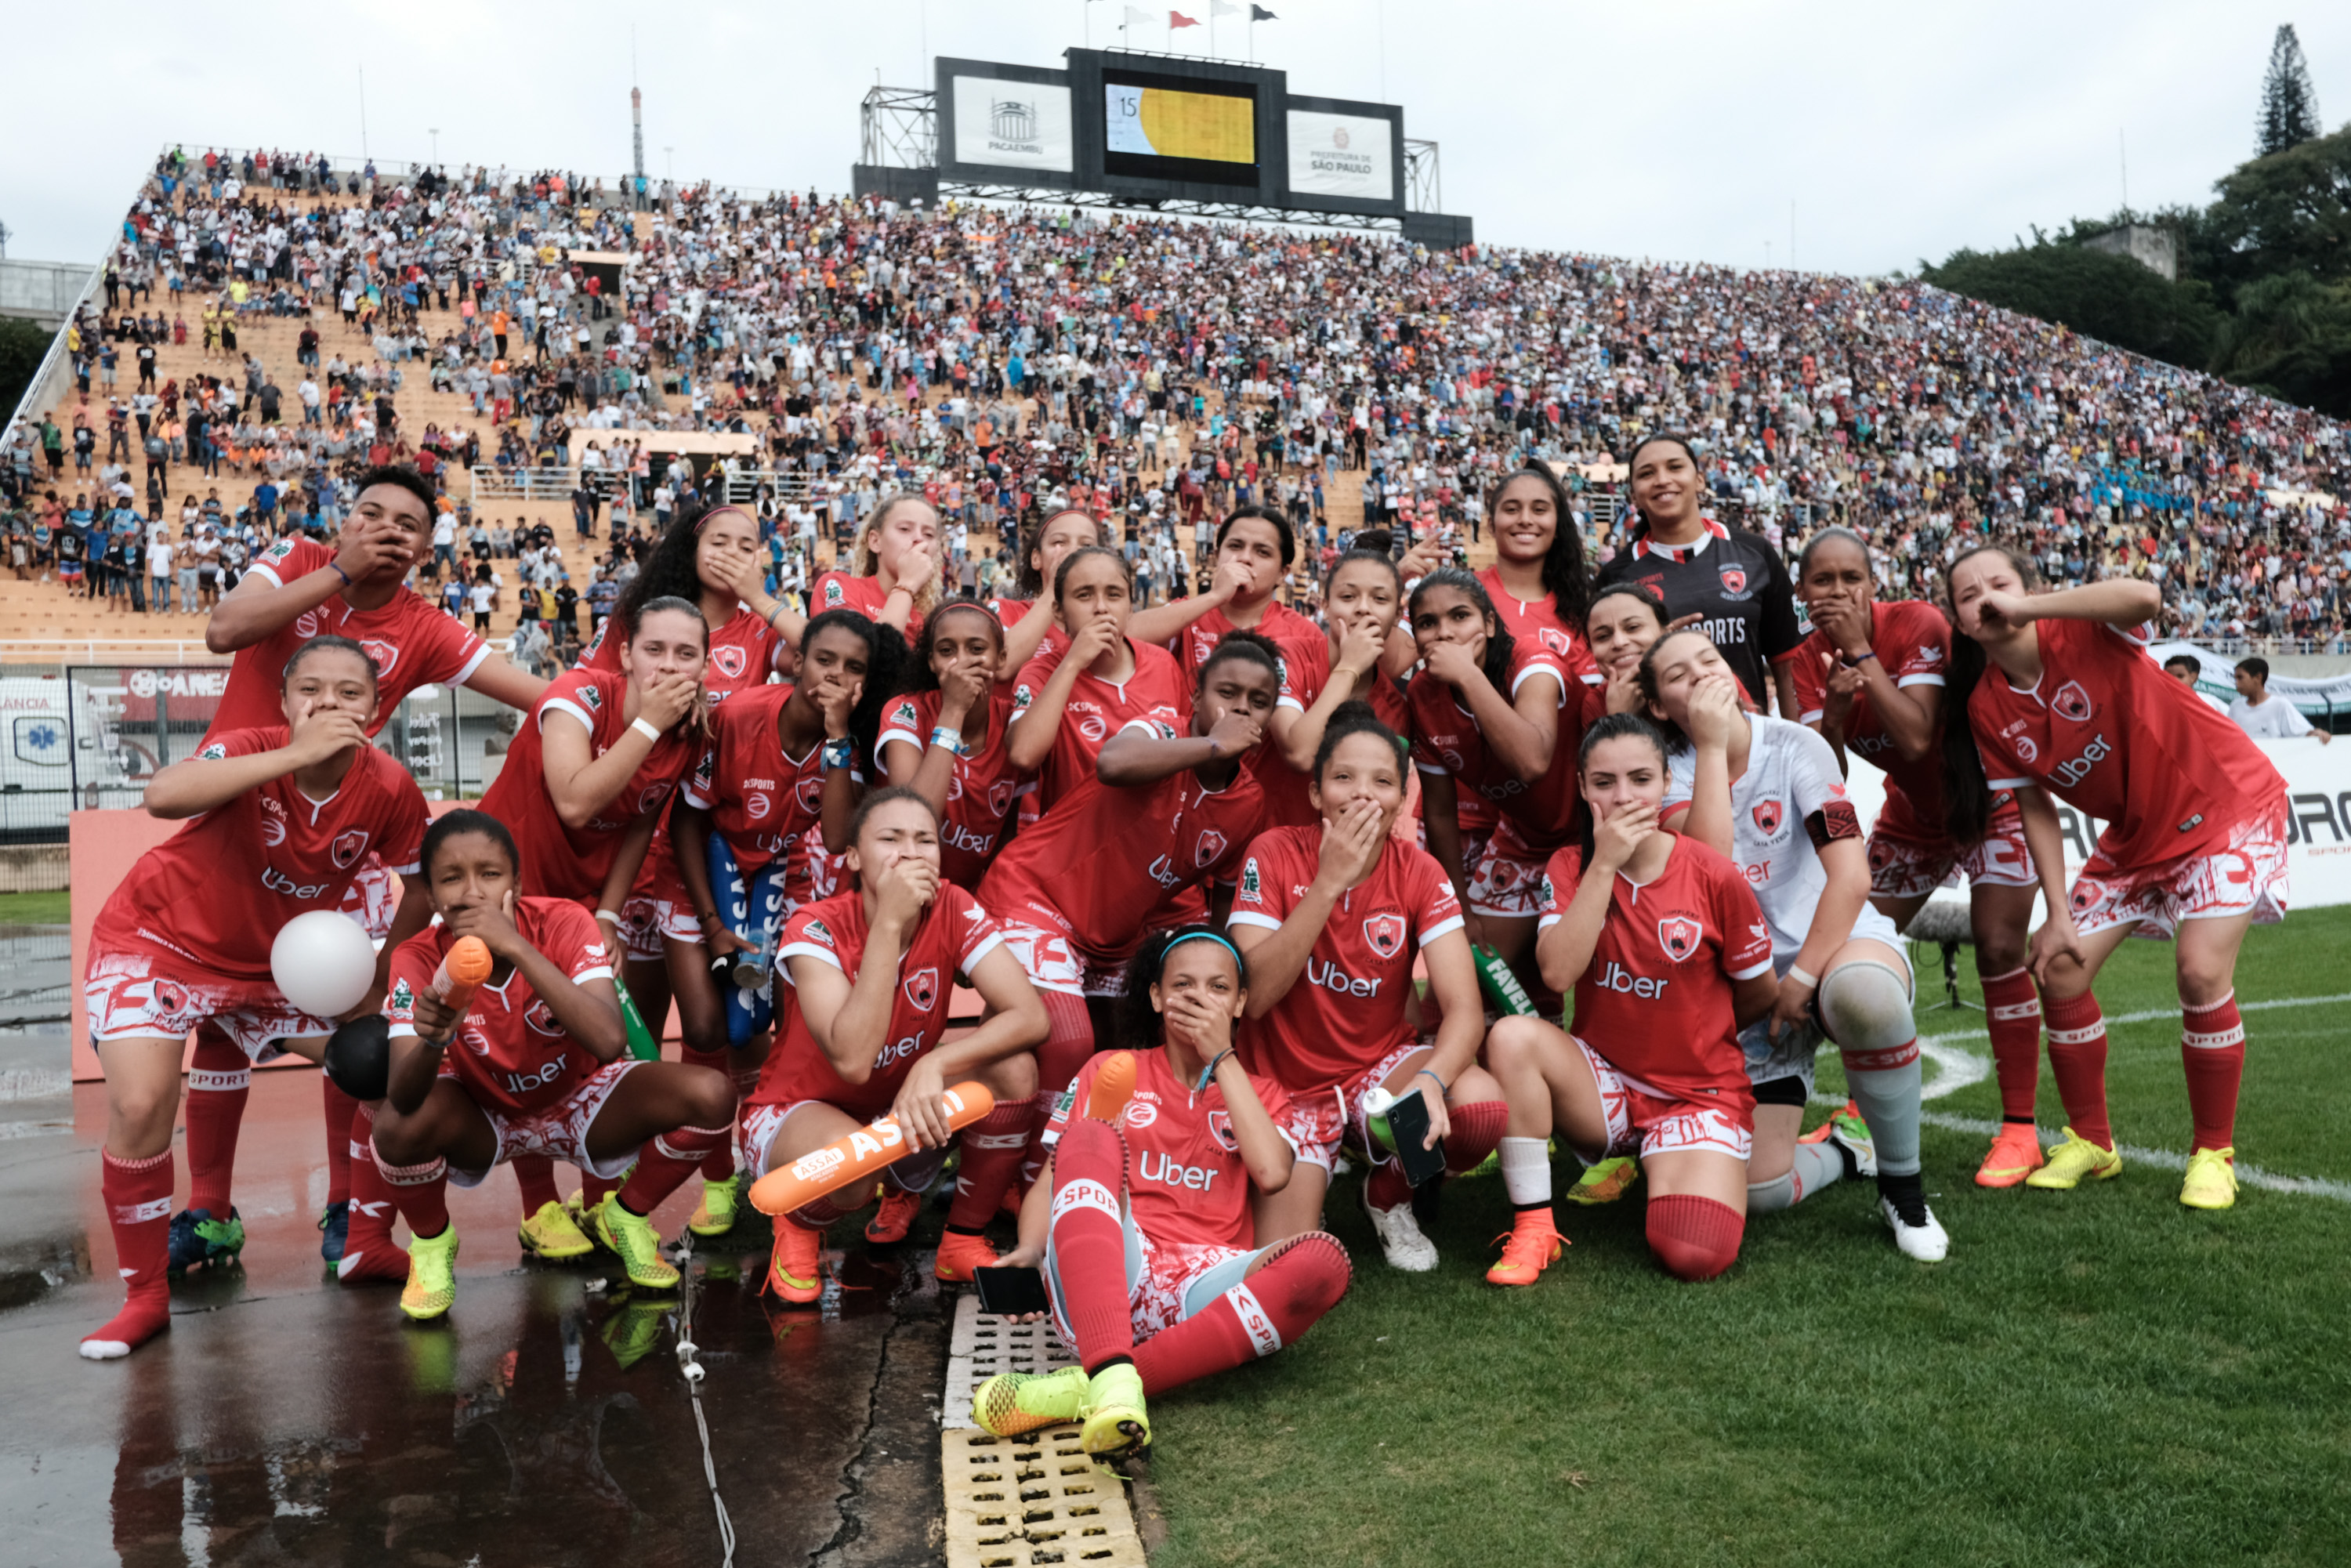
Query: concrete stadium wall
43	291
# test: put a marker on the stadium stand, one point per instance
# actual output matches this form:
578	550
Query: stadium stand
531	337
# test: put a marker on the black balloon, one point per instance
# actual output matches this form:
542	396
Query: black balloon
359	1056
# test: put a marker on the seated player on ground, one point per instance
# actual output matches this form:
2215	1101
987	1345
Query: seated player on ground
1332	918
283	820
1766	793
536	1064
1142	1222
1662	945
871	972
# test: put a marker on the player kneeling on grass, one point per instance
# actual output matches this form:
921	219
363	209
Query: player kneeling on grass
533	1065
1142	1225
870	971
1667	953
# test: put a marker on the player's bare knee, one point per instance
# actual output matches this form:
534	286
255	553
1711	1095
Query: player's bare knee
709	1098
1013	1077
1513	1043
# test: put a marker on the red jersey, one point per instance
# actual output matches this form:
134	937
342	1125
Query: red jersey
743	653
1305	673
1537	622
1284	626
1109	859
216	892
951	937
510	1053
2111	735
1655	999
1097	709
1187	1183
413	645
767	800
980	791
1446	739
560	862
840	590
1347	1010
1913	641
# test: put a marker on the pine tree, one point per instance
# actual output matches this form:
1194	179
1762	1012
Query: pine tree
2289	102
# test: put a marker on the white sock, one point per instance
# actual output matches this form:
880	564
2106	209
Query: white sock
1526	1170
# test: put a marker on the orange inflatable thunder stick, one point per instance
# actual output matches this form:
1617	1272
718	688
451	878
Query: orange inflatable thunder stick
463	970
858	1155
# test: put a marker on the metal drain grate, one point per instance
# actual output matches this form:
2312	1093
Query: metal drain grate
1017	1501
984	1345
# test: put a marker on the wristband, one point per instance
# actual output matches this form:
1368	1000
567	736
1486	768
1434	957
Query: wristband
1433	1078
900	588
1797	974
839	753
951	739
708	917
1855	662
337	568
773	611
1210	1071
646	729
608	914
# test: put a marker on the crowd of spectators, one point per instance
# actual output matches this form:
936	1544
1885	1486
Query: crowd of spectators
1157	371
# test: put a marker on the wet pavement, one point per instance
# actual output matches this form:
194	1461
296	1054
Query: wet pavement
287	1419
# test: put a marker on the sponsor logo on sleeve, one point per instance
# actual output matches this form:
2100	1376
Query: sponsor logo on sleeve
1250	887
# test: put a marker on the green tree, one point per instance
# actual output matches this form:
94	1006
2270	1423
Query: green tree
22	346
2289	102
2290	336
2290	212
2110	298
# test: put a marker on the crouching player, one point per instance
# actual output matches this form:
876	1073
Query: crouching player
870	971
1667	953
536	1064
1142	1225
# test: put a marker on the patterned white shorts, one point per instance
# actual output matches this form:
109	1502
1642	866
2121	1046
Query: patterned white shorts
559	1131
1165	1283
2248	875
1643	1122
646	920
1907	860
130	996
1508	881
1323	1119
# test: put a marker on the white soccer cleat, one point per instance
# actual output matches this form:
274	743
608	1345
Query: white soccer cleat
1928	1243
1401	1240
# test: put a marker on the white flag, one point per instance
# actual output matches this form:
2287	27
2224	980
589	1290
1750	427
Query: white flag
1148	19
1219	8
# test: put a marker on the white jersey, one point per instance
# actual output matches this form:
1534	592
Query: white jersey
2275	719
1790	774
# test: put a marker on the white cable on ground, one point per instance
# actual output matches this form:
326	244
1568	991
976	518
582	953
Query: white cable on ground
691	1371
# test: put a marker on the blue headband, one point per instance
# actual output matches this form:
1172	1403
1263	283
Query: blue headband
1238	963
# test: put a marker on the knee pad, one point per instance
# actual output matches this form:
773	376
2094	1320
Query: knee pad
1865	1006
1694	1238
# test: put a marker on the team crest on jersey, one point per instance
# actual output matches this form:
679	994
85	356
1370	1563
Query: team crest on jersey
2072	703
651	797
808	791
1734	581
1000	797
1767	817
923	989
1385	933
385	655
347	848
591	698
214	752
2086	893
1210	845
541	1019
730	661
1220	1127
169	996
1680	935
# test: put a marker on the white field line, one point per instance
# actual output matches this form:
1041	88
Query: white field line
1956	1069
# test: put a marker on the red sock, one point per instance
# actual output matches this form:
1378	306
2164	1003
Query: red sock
421	1192
1069	1041
2012	1019
138	1196
718	1160
667	1160
594	1188
1089	1240
369	1252
1302	1280
2212	1049
992	1151
2077	1060
1694	1238
535	1176
341	1110
220	1080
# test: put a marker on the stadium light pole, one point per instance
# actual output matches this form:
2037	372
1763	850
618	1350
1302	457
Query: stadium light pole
434	132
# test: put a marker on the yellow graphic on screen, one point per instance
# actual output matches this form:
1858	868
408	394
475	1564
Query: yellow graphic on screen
1165	123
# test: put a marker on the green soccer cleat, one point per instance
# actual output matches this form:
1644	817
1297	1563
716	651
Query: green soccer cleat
1115	1421
554	1234
1606	1181
715	1215
634	1237
1013	1403
431	1288
2211	1181
2073	1160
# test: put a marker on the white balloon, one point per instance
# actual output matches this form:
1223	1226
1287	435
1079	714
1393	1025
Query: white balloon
323	961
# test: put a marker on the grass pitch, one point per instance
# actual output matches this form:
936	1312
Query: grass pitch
2100	1377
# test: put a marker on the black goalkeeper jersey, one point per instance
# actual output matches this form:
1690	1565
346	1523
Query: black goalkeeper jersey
1733	579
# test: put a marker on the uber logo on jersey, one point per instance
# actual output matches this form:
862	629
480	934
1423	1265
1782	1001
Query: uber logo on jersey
1680	935
1385	933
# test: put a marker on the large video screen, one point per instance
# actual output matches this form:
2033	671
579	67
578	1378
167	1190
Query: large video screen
1160	128
1012	124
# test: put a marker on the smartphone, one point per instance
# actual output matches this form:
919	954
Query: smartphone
1011	1293
1408	1123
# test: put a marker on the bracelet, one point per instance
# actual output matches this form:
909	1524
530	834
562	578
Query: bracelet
900	588
336	567
647	731
708	917
1442	1088
608	914
774	610
1797	974
1210	1071
951	739
839	753
1855	662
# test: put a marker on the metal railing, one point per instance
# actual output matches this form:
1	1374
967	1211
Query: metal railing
551	485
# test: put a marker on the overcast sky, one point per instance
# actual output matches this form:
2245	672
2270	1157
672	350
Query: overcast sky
1677	128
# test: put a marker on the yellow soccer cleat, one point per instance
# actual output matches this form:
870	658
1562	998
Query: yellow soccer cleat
1013	1403
2211	1181
634	1237
1605	1182
2071	1161
1115	1421
715	1215
431	1288
553	1235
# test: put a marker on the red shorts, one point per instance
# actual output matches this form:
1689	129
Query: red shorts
132	995
1909	857
2246	875
1322	1118
559	1131
1642	1121
1508	881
